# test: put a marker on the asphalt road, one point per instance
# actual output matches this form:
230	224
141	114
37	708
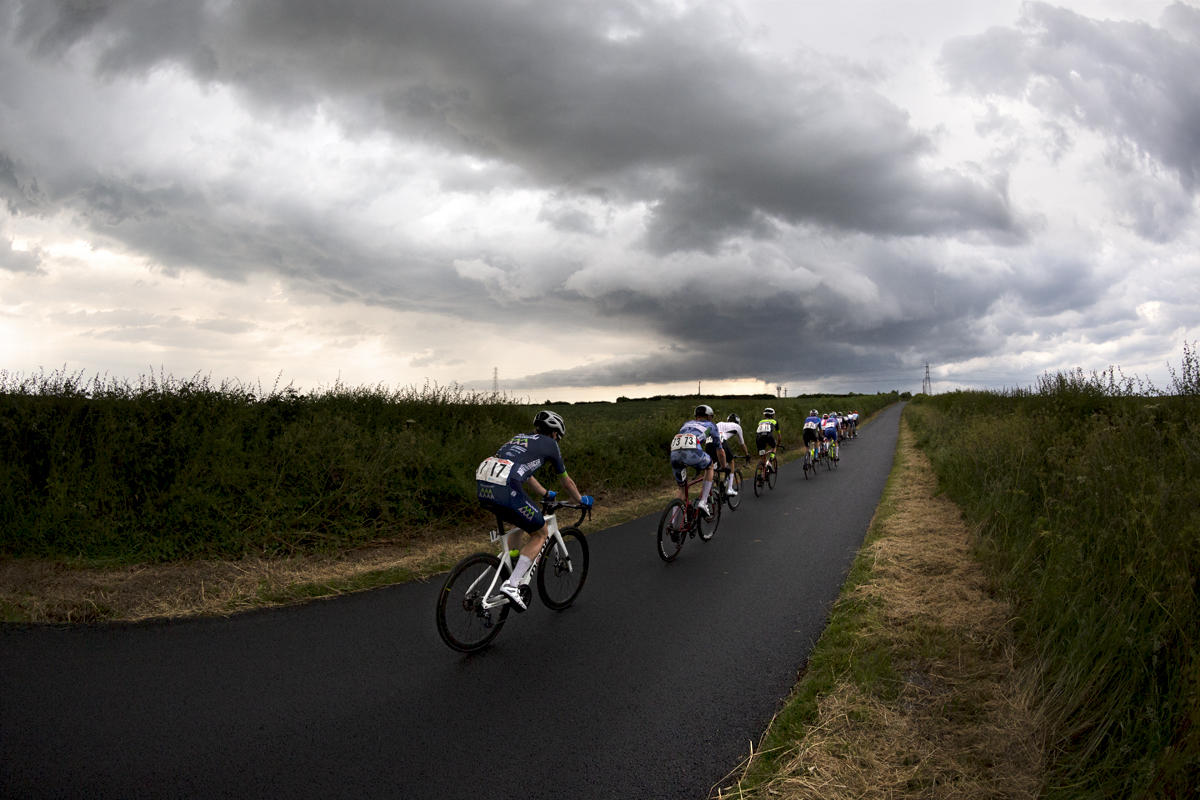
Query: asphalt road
653	685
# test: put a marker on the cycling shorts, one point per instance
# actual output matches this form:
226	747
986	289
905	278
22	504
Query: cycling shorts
810	435
764	443
728	452
831	434
682	459
512	505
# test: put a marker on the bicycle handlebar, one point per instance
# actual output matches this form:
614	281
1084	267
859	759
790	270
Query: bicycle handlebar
551	506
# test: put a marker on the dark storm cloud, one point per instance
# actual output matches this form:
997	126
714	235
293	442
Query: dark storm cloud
1133	82
650	104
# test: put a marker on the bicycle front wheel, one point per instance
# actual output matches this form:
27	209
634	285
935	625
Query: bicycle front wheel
760	478
735	500
671	534
560	577
773	473
462	621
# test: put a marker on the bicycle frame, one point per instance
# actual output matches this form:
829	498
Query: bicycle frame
493	598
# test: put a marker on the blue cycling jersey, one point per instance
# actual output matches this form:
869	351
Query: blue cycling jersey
704	431
528	452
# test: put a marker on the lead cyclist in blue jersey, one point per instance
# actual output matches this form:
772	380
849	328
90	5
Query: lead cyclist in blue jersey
500	483
690	448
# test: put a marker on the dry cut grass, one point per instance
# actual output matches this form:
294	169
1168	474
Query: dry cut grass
56	592
952	719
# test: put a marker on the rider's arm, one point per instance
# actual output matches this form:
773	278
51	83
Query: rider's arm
538	489
569	485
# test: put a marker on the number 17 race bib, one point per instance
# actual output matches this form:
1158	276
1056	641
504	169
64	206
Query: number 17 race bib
494	470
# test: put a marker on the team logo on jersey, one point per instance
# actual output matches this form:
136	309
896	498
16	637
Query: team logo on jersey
527	511
486	493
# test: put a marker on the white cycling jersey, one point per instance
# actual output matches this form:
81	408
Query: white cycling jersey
729	430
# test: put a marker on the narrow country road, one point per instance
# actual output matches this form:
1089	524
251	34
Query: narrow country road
653	685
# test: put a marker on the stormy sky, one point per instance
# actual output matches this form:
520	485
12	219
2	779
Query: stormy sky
599	198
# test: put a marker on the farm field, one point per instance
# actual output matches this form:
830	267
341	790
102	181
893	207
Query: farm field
172	498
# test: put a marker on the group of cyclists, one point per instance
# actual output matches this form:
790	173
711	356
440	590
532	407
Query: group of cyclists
502	480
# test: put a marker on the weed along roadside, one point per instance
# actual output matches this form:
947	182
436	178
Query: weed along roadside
1027	623
911	690
176	498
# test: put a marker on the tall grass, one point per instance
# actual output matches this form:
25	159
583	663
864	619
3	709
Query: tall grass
163	468
1086	494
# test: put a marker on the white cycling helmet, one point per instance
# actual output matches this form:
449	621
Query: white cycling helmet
550	422
704	411
768	412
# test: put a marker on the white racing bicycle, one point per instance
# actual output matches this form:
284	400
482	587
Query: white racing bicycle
470	608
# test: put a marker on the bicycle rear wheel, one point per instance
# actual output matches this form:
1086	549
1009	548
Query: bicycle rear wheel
735	500
671	534
462	621
760	479
707	528
773	473
560	577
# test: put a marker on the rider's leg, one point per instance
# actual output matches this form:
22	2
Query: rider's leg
708	482
528	553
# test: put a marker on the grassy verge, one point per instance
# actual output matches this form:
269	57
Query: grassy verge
911	690
60	591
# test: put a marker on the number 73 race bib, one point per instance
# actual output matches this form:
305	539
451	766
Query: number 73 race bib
684	441
494	470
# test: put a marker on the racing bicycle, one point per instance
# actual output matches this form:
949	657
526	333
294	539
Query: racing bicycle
810	460
470	608
766	475
681	519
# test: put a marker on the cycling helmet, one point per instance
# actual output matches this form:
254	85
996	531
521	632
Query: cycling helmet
734	418
550	422
704	411
768	412
813	413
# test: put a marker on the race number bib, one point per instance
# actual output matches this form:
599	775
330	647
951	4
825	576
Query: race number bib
494	470
810	426
765	427
684	441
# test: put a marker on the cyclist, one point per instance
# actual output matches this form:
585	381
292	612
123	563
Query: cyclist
694	446
812	429
500	485
829	428
767	435
732	426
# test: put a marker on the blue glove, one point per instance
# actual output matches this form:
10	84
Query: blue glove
587	500
551	495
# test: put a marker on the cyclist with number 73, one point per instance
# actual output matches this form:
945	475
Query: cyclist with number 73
689	448
500	483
